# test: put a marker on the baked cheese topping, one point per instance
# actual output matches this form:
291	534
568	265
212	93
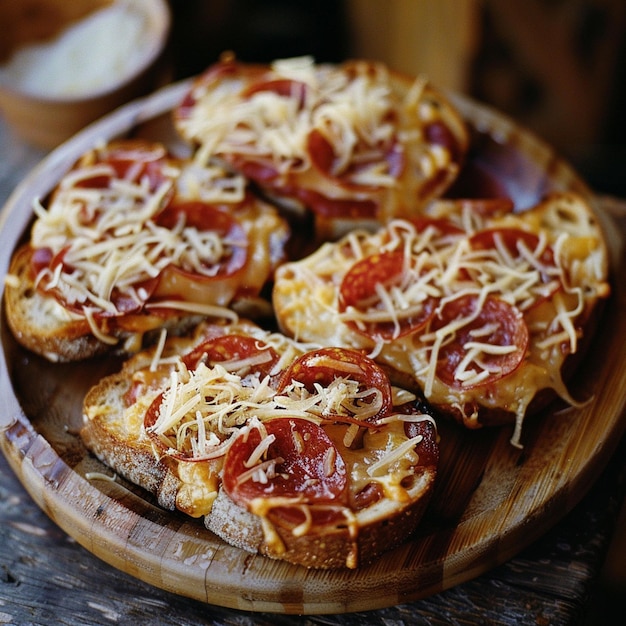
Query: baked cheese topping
202	408
210	184
106	242
202	412
352	112
528	277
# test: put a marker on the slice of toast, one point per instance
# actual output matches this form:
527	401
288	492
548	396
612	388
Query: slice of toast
369	512
131	241
44	326
489	314
114	434
352	144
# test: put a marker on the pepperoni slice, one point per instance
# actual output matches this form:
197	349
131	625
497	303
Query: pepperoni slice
150	419
489	207
498	324
442	225
428	448
358	290
258	169
131	160
324	206
263	169
245	354
124	303
43	258
183	280
324	365
325	160
223	69
439	134
301	462
254	354
292	89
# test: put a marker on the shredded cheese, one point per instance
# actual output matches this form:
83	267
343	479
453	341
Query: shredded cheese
356	111
549	284
226	401
111	242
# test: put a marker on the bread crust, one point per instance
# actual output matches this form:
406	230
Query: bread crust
57	340
333	549
306	297
115	434
42	325
124	449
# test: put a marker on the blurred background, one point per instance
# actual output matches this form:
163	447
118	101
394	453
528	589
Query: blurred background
558	67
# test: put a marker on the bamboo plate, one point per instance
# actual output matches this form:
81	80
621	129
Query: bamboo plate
491	501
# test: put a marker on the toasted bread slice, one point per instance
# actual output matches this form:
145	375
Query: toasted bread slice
373	531
39	323
44	326
113	424
354	144
480	312
114	435
269	476
132	241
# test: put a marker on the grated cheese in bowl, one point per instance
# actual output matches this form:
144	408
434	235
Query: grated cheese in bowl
90	55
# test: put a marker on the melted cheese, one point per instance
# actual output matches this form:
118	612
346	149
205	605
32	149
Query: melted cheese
198	490
306	297
356	110
269	124
203	411
387	457
111	242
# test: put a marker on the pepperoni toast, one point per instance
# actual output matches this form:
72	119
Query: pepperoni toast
477	306
303	454
314	445
133	240
353	143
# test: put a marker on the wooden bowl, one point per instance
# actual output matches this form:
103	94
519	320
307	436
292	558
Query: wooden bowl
491	499
43	116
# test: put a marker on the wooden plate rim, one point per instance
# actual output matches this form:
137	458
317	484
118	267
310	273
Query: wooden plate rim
177	555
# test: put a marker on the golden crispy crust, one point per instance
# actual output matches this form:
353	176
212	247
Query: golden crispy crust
334	549
127	452
114	433
28	317
43	326
306	300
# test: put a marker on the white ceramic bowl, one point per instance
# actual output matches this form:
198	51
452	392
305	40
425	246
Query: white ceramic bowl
48	110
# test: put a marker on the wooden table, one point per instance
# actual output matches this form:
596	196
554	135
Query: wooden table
46	577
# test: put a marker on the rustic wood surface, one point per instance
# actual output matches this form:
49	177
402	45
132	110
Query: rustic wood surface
526	493
48	578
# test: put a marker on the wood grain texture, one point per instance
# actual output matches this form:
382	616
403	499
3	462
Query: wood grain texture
491	501
46	577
